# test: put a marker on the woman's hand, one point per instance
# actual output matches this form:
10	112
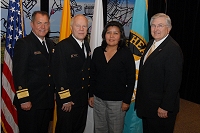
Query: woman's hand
125	106
91	101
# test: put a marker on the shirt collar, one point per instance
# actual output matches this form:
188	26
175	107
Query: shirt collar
40	38
159	42
78	41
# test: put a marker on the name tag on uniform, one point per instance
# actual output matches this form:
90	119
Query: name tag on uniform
74	55
37	52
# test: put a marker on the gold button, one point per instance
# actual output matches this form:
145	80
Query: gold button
82	87
89	77
82	78
88	68
82	70
49	85
49	75
88	85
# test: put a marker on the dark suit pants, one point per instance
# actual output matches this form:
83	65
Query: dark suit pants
34	121
73	121
158	125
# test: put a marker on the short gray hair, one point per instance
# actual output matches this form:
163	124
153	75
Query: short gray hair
158	15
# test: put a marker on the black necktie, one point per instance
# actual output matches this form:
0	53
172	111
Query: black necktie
83	49
44	49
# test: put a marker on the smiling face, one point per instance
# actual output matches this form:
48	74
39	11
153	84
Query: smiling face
159	28
112	36
40	25
79	27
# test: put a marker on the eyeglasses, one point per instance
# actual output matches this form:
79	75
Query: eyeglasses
159	26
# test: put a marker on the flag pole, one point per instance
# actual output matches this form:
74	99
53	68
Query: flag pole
22	17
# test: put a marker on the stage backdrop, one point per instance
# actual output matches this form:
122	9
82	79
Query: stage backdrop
120	10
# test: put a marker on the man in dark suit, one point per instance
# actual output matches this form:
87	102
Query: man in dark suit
160	74
33	79
72	66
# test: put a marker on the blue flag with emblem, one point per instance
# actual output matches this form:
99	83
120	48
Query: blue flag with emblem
138	38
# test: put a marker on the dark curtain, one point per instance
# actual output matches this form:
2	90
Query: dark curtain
185	16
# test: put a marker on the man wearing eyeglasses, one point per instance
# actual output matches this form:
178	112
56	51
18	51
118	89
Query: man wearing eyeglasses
159	80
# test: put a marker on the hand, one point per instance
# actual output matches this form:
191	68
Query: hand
91	101
67	106
26	106
125	106
162	113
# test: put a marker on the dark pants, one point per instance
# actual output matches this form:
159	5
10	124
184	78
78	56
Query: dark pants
71	122
34	121
158	125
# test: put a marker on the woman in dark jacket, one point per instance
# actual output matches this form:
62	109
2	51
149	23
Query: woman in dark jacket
112	80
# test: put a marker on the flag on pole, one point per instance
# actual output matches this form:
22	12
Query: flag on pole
95	41
97	25
65	31
138	38
15	30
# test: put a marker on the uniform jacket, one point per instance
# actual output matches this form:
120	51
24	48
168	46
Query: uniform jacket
159	79
32	72
71	72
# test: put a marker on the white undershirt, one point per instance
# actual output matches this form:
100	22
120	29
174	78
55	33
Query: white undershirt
80	44
42	41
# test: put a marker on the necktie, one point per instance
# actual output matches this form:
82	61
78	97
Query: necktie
151	50
44	49
83	50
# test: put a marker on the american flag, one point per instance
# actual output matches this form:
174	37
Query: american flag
13	33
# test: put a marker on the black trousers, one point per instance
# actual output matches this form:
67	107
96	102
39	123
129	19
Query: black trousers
71	122
34	121
159	125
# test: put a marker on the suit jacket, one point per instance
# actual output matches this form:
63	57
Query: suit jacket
159	79
32	73
71	72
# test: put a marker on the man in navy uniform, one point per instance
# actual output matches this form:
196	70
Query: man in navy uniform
72	65
32	63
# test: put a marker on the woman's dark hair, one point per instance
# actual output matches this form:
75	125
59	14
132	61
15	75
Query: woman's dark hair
122	42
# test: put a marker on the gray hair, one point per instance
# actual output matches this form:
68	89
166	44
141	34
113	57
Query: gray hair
158	15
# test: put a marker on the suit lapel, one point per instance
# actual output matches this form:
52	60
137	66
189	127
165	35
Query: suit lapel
145	51
160	47
155	52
